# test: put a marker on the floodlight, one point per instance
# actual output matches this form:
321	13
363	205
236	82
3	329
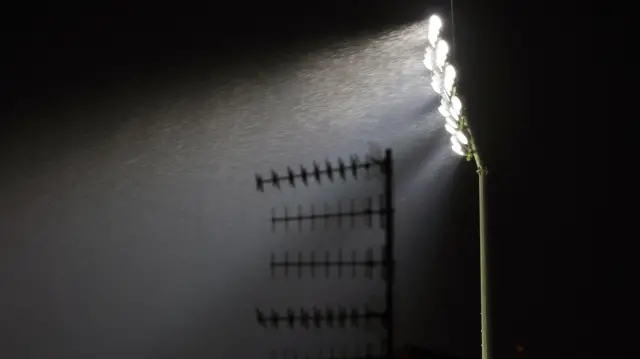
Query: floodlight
450	108
449	78
429	58
433	29
456	105
462	138
443	82
454	140
457	149
454	115
444	110
456	146
436	83
451	122
435	23
442	51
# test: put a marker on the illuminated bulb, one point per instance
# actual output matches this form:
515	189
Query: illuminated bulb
449	78
457	149
456	105
433	29
456	146
462	138
436	83
453	115
443	111
450	129
451	122
429	59
435	23
442	51
445	107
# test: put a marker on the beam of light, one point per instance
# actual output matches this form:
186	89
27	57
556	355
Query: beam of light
163	207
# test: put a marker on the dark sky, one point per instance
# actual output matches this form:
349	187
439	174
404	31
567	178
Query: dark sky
131	136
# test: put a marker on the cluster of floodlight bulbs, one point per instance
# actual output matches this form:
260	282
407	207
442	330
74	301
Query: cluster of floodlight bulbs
443	83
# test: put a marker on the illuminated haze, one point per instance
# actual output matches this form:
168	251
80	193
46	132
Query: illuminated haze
146	238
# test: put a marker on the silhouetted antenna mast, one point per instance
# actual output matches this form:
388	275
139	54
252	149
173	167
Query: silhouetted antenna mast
339	263
363	210
367	211
317	173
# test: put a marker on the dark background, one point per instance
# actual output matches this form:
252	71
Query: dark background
74	77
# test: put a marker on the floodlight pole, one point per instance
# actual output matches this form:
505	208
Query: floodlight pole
431	62
484	291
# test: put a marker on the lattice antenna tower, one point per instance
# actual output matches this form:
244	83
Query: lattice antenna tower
365	210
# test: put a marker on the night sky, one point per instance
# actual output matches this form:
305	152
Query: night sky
130	226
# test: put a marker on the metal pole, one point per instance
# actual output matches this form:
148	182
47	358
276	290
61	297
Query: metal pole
484	287
389	237
484	292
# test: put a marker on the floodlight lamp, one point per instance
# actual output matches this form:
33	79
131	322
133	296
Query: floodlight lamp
436	83
433	29
450	72
443	111
457	149
432	37
449	78
450	129
451	122
454	115
456	105
462	138
429	58
456	146
435	23
442	51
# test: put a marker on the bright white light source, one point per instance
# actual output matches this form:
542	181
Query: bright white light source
442	51
433	29
443	111
453	115
456	146
456	105
444	107
429	58
457	149
443	81
449	78
435	23
462	138
436	83
451	122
